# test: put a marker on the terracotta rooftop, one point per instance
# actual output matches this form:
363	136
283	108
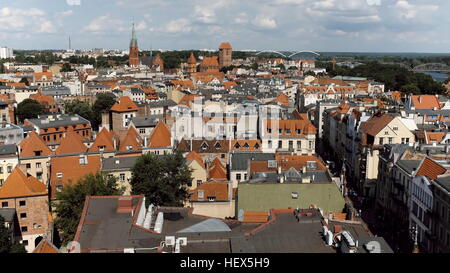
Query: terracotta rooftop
219	190
430	169
225	45
131	142
125	104
256	216
72	143
425	102
33	145
20	185
45	246
160	136
375	124
104	139
195	156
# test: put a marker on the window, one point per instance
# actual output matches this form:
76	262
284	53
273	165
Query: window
39	176
142	131
38	165
269	130
280	131
299	131
9	168
59	175
25	242
395	128
288	131
299	145
310	145
1	169
4	204
269	144
381	141
23	215
200	195
280	144
238	176
211	198
245	176
22	203
199	182
1	182
37	153
82	160
386	132
24	229
122	177
390	140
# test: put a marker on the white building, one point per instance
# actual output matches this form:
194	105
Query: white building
420	208
6	53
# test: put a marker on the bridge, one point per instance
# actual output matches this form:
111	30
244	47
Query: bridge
286	54
432	67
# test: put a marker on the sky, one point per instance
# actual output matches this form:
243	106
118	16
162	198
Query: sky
317	25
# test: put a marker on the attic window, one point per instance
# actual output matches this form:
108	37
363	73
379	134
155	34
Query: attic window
204	146
299	131
256	146
101	148
211	198
217	145
395	128
237	145
246	145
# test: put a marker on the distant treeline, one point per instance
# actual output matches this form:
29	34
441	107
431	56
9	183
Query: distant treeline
395	77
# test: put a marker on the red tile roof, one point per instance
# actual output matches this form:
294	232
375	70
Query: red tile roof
33	143
430	168
225	45
219	190
20	185
425	102
72	143
104	138
160	136
132	139
125	104
195	156
256	216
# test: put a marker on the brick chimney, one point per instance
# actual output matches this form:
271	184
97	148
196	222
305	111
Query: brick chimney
125	204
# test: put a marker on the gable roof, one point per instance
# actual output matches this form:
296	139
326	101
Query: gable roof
20	185
104	138
282	99
217	172
133	139
71	143
375	124
160	136
195	156
430	169
33	143
125	104
45	246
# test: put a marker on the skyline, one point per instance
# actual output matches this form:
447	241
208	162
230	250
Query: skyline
385	26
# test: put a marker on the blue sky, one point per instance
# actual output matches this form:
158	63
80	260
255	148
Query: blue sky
320	25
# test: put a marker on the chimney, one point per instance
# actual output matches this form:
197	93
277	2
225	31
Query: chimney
125	204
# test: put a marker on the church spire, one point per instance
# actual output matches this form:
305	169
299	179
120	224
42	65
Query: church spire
133	42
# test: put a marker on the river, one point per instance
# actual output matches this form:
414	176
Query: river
440	77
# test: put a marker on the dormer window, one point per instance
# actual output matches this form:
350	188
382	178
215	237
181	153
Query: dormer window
237	145
37	153
217	145
101	148
204	146
288	131
246	145
129	148
256	146
211	198
299	131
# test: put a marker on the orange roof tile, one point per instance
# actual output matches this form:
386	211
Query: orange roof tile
46	246
125	104
256	216
71	170
282	99
225	45
195	156
217	172
132	139
191	59
20	185
160	136
425	102
71	143
430	168
103	139
219	190
39	97
435	137
305	127
33	144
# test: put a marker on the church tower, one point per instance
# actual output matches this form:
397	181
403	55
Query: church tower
134	50
192	64
225	54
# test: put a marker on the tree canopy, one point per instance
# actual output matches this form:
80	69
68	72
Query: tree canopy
80	108
6	245
164	180
29	108
104	102
66	67
70	201
393	76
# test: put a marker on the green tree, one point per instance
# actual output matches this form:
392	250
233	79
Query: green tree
6	245
29	109
70	201
24	80
80	108
104	102
66	68
164	180
410	88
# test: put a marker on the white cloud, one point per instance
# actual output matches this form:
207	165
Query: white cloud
411	11
242	18
179	25
264	22
14	19
105	24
